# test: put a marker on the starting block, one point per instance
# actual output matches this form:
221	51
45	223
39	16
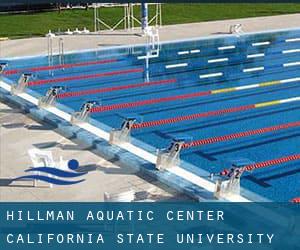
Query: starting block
122	135
22	84
231	184
50	97
84	113
3	65
170	157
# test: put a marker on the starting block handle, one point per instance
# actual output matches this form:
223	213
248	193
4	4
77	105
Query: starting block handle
50	97
169	157
122	135
84	113
22	83
3	65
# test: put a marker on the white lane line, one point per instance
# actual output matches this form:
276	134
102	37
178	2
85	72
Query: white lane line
179	65
218	60
290	80
290	100
256	55
292	40
186	52
290	51
226	47
183	52
194	51
261	43
247	87
253	69
211	75
291	64
147	56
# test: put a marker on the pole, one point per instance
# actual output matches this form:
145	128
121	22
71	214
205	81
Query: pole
144	9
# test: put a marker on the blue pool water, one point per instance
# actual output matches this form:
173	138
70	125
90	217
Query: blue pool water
237	61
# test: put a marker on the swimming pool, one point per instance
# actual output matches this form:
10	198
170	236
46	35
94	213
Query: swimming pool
232	99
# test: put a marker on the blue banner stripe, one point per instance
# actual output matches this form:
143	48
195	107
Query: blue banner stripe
56	172
48	179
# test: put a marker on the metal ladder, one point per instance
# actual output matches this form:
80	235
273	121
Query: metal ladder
153	47
50	53
61	52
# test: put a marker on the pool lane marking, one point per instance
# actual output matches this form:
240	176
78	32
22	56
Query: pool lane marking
291	64
210	75
178	65
238	135
80	77
226	47
187	96
195	51
176	119
225	59
256	55
116	88
261	44
65	66
290	51
253	69
292	40
186	52
147	56
150	157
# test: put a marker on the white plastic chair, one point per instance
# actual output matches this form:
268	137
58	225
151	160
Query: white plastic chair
42	158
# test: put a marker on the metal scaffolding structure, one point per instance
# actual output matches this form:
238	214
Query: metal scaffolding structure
129	20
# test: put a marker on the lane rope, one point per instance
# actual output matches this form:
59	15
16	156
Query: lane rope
65	66
160	122
80	77
188	96
263	164
240	135
269	163
111	89
296	200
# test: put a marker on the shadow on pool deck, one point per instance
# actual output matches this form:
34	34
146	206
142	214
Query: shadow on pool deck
24	125
8	182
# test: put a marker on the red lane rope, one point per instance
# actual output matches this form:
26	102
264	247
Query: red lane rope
296	200
110	89
65	66
148	102
240	134
71	78
271	162
191	117
265	164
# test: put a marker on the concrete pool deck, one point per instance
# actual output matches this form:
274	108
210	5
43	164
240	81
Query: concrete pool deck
108	177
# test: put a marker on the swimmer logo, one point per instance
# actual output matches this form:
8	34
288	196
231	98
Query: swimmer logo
52	171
